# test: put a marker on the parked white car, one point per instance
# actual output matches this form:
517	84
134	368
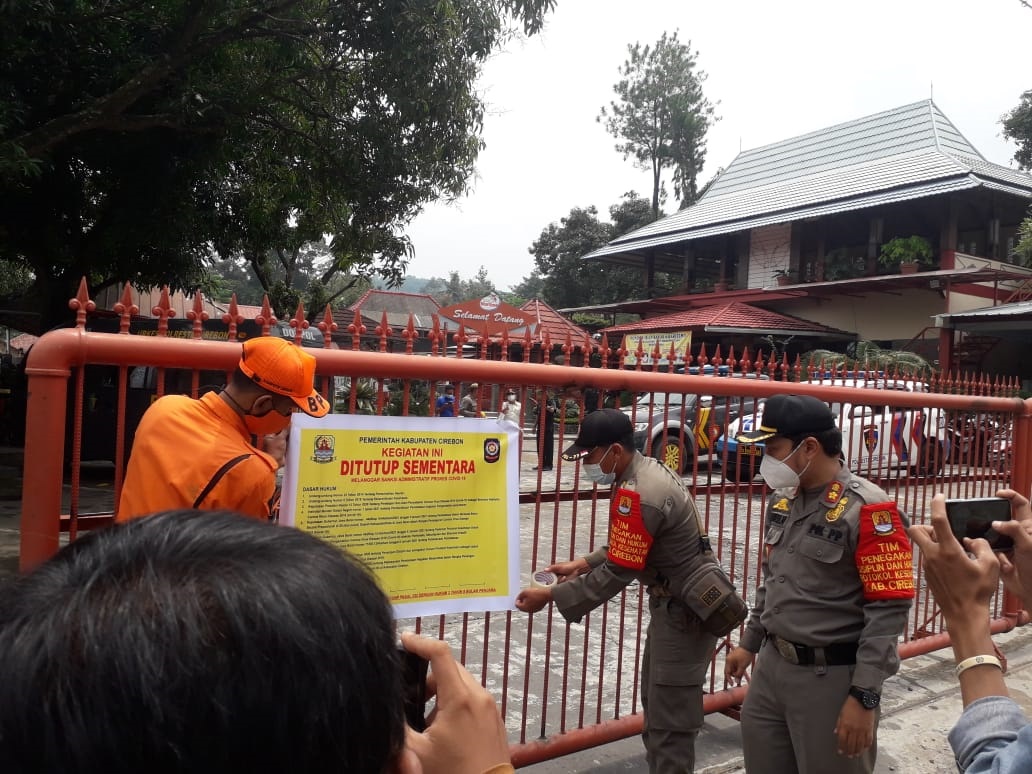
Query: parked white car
876	438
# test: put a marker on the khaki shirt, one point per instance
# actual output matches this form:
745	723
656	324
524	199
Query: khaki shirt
811	592
669	515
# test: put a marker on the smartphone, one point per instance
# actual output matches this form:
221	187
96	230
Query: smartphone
413	688
971	518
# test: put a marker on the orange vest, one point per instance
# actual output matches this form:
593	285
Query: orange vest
196	453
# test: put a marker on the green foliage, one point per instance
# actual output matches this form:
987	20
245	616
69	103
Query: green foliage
365	392
1023	249
15	278
567	280
1017	126
135	137
661	116
868	355
455	289
841	264
911	249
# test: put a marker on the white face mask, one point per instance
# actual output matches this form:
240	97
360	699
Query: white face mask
778	474
594	472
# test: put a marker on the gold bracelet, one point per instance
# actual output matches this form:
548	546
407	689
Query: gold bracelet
974	661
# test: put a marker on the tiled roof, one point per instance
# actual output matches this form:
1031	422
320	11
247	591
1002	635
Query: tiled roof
397	304
558	327
733	317
908	152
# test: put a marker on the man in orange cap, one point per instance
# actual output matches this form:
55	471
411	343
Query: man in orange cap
199	453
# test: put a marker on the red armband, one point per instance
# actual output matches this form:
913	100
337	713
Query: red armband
629	541
884	557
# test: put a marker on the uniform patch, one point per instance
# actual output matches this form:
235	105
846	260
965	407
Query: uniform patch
833	493
781	505
629	541
884	557
882	521
835	513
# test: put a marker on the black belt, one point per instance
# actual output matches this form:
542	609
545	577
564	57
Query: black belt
836	654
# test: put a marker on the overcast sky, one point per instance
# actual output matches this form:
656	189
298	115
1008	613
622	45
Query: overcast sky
777	70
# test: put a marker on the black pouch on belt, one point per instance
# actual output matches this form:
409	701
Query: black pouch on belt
709	594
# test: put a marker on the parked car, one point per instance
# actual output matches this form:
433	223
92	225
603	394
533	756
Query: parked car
876	438
677	428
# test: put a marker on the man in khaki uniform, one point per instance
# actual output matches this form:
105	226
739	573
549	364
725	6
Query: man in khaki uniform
837	588
654	538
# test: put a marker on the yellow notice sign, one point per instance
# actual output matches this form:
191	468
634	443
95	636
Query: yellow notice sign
432	511
681	341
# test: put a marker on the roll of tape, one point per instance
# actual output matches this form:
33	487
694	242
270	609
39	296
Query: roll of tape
543	579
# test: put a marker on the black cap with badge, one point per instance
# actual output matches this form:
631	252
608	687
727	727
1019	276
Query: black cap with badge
791	416
601	428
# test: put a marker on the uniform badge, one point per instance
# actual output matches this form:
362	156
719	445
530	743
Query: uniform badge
882	521
836	513
833	493
623	507
781	505
870	437
323	448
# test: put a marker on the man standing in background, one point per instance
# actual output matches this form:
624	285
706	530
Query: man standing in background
445	405
469	406
545	409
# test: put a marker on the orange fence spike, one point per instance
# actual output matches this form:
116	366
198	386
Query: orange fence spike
327	326
163	311
717	360
299	323
126	309
81	304
383	330
357	330
435	335
410	334
232	317
266	319
197	315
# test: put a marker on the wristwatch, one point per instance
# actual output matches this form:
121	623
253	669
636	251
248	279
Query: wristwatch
869	700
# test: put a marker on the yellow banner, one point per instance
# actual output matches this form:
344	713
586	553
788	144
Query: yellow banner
434	513
681	340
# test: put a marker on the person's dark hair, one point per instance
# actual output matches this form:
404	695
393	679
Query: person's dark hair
830	441
198	641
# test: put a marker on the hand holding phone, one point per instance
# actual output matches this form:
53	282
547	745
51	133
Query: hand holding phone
465	732
413	687
973	518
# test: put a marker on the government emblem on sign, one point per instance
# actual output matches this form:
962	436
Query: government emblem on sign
323	449
624	505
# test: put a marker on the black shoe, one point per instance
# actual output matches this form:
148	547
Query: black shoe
545	468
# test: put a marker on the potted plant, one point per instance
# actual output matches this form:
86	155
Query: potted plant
783	276
906	254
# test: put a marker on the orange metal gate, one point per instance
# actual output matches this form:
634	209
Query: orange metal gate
561	687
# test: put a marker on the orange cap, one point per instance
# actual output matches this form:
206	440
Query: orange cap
278	366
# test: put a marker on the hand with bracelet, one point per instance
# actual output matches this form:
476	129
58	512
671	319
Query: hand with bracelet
963	579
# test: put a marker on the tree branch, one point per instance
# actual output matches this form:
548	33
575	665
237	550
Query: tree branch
189	46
